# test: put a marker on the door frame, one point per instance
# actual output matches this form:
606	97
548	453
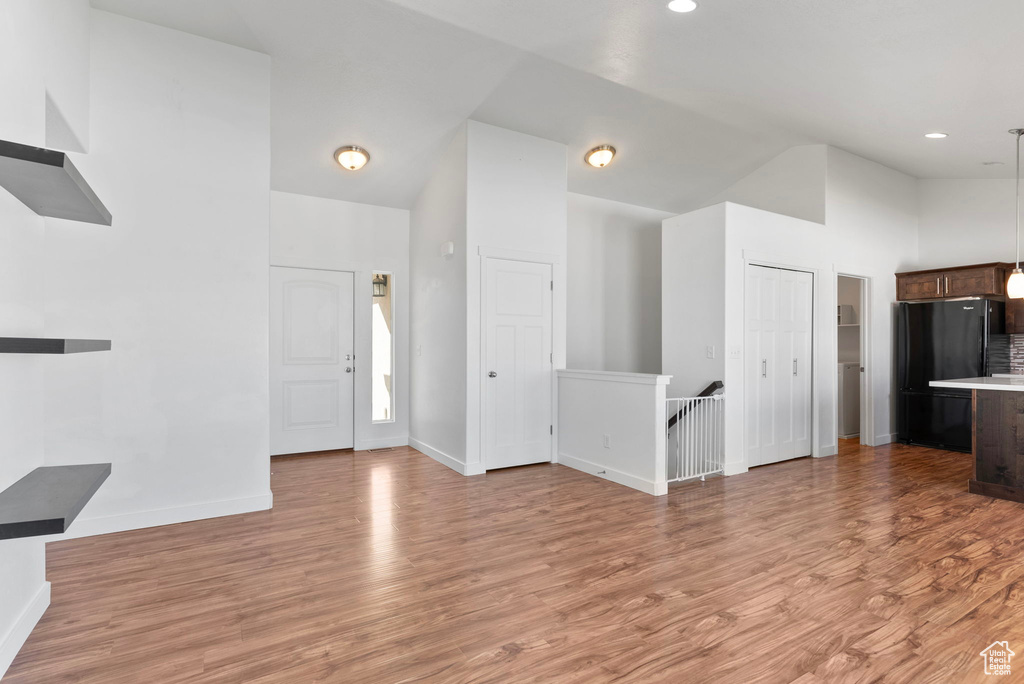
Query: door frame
752	259
551	260
867	396
355	342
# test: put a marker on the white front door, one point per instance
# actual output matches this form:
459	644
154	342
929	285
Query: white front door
779	313
517	363
311	360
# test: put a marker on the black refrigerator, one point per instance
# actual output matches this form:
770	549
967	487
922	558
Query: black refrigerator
941	341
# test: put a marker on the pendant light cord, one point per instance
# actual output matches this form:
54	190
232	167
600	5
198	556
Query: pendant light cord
1019	133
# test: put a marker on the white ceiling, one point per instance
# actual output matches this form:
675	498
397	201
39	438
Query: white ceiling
692	101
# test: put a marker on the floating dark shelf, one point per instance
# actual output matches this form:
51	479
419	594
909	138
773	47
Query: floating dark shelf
50	345
49	184
47	500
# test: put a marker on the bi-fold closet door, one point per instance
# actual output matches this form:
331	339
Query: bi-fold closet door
779	317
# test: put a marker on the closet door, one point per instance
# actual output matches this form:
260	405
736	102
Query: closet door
762	310
793	385
778	313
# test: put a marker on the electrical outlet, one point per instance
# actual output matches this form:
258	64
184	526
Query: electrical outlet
607	441
710	351
419	350
736	352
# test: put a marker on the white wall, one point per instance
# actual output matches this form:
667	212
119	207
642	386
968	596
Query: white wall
516	201
311	232
965	222
614	286
437	319
793	183
693	300
180	154
494	190
628	409
872	211
40	45
755	236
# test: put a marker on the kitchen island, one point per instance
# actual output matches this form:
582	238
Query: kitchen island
998	434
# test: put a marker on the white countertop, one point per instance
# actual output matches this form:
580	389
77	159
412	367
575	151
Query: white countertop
1008	384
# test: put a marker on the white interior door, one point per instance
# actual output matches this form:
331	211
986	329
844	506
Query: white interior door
793	388
779	313
312	363
762	296
518	365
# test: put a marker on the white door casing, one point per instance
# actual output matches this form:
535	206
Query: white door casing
779	318
311	360
518	368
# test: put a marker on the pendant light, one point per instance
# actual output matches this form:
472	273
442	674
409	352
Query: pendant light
1015	285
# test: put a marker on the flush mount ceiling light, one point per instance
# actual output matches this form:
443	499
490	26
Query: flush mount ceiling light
600	156
352	157
936	136
1015	284
682	5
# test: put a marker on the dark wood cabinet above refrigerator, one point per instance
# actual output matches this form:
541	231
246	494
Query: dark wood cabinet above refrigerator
977	280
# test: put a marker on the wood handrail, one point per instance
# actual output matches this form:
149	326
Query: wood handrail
706	392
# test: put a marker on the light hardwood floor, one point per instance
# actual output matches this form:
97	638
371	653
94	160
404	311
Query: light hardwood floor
875	565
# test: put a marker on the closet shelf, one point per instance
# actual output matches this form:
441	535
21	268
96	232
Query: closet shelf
47	500
49	184
50	345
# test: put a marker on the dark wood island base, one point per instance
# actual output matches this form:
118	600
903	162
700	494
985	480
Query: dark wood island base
998	444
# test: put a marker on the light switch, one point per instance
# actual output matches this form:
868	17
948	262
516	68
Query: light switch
710	351
606	440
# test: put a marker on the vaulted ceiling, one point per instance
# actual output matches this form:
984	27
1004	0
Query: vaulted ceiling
692	102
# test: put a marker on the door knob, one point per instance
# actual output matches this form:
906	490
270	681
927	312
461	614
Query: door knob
349	369
492	374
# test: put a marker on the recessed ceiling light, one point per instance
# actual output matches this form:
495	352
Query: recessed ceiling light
936	135
600	156
352	157
682	5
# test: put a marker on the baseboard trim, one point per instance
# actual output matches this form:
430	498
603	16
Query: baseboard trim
89	527
882	440
444	459
734	469
616	476
23	626
827	451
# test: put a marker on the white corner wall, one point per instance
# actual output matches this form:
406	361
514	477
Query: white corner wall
614	286
312	232
493	191
768	239
871	230
872	211
41	50
693	299
180	154
437	319
516	202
